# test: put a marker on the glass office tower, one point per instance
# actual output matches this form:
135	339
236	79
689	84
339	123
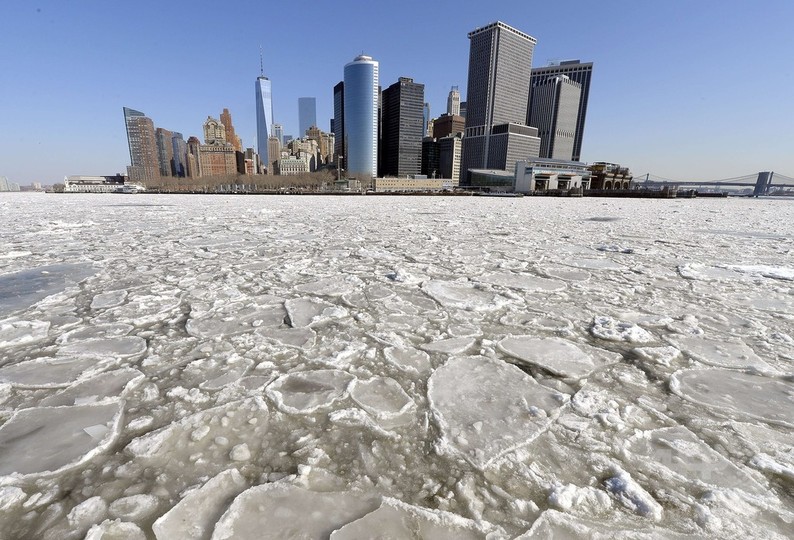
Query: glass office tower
361	117
264	117
307	114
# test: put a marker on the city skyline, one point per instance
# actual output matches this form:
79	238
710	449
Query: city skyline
666	100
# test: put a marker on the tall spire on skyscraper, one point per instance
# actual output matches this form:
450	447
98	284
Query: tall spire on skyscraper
261	63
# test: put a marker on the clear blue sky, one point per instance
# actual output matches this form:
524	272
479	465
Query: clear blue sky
681	89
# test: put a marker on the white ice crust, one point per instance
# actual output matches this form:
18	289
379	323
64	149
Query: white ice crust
470	367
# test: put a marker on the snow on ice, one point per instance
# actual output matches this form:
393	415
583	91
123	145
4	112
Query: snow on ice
184	367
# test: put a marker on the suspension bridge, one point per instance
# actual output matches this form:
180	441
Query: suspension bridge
763	183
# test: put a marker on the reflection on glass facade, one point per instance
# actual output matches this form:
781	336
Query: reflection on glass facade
361	116
264	116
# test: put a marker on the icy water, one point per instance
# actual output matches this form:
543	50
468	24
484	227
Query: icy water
410	367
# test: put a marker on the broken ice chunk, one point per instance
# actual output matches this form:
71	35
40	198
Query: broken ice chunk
108	299
679	452
194	517
308	311
450	346
740	395
406	359
730	353
527	282
47	439
308	391
396	519
613	330
116	347
631	495
281	510
558	356
512	407
15	332
382	397
463	295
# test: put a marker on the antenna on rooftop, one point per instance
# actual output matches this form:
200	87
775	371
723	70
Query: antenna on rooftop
261	63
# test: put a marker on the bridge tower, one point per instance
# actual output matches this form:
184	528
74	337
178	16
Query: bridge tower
763	182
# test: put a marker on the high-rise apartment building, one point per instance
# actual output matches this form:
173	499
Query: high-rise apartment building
500	64
579	72
555	107
361	117
179	149
144	163
264	116
402	127
449	152
165	151
231	136
339	122
307	114
453	102
274	151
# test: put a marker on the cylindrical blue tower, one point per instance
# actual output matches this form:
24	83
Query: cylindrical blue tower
361	117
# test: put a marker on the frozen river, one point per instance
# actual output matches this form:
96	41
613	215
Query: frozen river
412	367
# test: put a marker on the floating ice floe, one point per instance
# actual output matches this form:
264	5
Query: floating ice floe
310	312
633	496
48	372
19	332
486	408
463	295
115	347
281	510
553	524
96	331
729	353
115	530
195	515
145	309
405	359
395	519
565	273
774	272
676	454
662	356
613	330
109	384
299	338
235	318
109	299
740	395
20	290
306	392
48	439
331	286
450	346
596	264
381	397
558	356
702	272
527	282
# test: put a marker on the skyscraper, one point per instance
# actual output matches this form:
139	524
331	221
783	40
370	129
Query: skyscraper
402	127
578	72
339	122
307	114
264	116
278	132
426	121
361	117
144	164
500	63
231	136
165	151
453	102
555	107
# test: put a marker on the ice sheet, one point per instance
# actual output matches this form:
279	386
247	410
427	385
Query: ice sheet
307	341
